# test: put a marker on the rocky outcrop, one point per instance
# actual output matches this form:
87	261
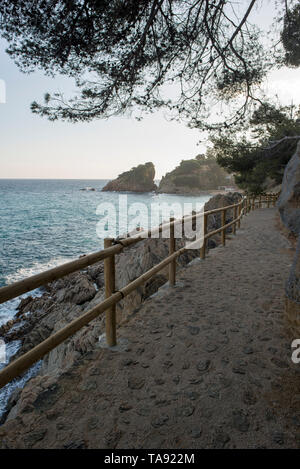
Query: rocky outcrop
194	176
289	200
218	201
289	209
138	179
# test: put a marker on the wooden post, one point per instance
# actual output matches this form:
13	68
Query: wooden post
259	205
223	224
109	278
172	248
234	217
253	203
202	250
274	200
239	212
268	201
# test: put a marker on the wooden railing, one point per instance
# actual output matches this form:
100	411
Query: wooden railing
113	247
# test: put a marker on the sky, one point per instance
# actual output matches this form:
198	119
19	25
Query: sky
33	147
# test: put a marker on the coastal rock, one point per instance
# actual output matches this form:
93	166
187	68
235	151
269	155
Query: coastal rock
24	305
138	179
289	199
218	201
289	209
214	220
76	288
194	176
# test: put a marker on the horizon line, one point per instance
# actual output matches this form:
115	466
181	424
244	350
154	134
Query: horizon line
58	179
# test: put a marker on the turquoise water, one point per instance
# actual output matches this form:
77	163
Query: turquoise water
44	223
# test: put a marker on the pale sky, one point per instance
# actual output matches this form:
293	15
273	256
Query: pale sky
33	147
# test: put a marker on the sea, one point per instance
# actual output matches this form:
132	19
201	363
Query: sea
44	223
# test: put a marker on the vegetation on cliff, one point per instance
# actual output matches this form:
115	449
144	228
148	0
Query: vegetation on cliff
195	175
258	159
138	179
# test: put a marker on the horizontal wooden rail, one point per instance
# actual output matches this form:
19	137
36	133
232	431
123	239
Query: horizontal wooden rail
24	362
31	283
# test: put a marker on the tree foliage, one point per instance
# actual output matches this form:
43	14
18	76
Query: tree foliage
201	172
259	159
122	55
291	36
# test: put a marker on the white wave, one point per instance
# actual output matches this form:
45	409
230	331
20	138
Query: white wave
36	268
6	392
8	310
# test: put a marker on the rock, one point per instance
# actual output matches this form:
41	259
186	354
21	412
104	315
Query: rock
24	305
10	412
138	179
193	176
96	272
76	288
33	437
218	201
153	284
288	202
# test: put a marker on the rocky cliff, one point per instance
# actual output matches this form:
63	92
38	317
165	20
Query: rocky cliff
289	200
289	209
194	176
138	179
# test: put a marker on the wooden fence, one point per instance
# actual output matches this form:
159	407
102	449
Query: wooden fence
113	247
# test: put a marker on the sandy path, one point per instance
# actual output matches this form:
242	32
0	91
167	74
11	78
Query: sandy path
207	364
